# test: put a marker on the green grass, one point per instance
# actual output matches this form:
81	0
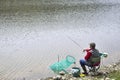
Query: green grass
115	75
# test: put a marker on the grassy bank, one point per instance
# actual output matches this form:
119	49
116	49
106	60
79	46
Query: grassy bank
111	72
115	75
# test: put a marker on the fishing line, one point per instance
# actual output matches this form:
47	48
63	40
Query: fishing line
73	41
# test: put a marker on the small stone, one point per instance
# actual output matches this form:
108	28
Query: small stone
58	76
112	79
63	78
62	73
74	78
49	78
114	65
70	79
54	77
107	78
110	66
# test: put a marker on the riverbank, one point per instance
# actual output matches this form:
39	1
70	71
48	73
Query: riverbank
111	72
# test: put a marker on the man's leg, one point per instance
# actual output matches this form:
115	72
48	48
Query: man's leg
83	63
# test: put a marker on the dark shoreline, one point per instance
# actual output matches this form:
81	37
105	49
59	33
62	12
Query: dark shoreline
12	7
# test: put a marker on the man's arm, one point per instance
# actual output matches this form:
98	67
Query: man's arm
88	55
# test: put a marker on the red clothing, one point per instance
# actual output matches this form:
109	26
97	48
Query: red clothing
88	55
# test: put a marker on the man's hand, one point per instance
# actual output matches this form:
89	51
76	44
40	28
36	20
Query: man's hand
84	50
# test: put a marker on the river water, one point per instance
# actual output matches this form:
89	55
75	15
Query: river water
32	37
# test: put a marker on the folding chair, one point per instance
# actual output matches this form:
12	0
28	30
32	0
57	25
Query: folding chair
93	69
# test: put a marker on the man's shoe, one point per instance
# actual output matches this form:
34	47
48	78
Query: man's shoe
85	73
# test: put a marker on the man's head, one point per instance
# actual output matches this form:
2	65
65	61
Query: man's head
92	45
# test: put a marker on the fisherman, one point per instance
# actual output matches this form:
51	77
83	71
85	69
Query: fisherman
92	52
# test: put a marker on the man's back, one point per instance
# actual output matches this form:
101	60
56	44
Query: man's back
95	57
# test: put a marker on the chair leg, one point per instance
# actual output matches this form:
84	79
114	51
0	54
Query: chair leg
93	71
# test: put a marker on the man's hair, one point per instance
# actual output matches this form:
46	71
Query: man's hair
92	45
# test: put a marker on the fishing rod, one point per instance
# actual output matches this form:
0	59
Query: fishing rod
73	41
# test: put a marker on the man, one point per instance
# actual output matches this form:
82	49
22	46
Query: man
92	52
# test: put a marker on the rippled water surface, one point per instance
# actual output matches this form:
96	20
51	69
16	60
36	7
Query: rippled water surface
32	37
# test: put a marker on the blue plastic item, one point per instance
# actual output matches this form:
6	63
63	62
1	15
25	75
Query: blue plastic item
76	71
63	64
105	55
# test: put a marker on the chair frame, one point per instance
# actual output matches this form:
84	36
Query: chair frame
93	70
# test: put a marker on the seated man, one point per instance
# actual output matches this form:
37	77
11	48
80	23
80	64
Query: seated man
88	59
